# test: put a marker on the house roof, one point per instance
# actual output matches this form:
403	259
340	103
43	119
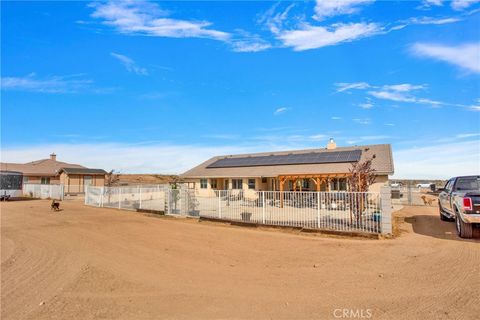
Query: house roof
44	167
83	171
382	163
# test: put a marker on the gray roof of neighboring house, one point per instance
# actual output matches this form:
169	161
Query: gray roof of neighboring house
83	171
382	163
44	167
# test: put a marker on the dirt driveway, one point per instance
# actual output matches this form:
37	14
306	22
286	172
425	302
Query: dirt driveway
92	263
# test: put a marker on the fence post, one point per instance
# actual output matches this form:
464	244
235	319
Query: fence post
409	193
119	198
219	205
318	210
86	196
386	209
101	198
263	207
168	200
140	192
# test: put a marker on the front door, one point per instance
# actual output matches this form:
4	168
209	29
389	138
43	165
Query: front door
87	181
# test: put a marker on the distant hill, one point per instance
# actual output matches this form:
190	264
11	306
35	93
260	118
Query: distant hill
136	179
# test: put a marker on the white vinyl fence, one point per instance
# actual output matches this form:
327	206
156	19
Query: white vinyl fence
43	191
128	198
341	211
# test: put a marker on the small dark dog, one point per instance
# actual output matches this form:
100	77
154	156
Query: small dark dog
55	206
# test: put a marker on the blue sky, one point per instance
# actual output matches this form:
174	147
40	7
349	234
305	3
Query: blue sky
161	86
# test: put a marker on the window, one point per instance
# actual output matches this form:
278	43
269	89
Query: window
213	183
449	185
203	183
236	183
45	180
468	183
305	184
264	180
87	180
251	183
342	184
25	179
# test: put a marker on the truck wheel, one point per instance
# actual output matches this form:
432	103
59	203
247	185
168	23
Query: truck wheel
464	230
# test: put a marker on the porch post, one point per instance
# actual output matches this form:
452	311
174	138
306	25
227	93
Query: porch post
263	207
318	210
282	181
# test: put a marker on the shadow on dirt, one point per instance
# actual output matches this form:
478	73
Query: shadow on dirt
432	226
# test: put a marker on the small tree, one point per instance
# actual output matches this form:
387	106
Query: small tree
361	177
175	186
111	178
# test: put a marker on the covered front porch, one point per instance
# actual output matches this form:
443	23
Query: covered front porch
287	182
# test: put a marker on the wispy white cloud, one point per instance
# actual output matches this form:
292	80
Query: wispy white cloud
474	107
465	56
363	121
463	4
330	8
366	105
222	136
336	118
299	33
439	161
147	18
397	92
458	5
129	64
433	2
308	37
404	87
280	110
432	20
50	84
467	135
367	139
244	41
344	86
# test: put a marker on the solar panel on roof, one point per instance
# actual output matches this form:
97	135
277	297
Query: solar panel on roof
289	159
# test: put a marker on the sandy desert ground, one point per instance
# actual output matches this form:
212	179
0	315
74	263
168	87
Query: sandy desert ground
93	263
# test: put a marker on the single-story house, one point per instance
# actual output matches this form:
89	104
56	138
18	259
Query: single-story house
74	177
324	169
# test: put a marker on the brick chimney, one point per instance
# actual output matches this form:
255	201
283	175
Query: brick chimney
331	144
53	157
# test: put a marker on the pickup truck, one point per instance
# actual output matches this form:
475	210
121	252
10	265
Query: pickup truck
460	201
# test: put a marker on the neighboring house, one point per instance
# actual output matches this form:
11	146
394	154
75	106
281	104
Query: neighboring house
324	169
74	177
